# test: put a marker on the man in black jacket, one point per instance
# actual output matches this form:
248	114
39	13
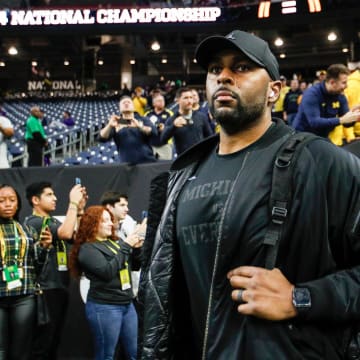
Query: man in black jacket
204	291
54	278
186	126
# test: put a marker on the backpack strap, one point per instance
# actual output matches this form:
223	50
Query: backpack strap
281	192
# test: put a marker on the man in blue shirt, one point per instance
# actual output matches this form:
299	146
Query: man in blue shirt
131	133
323	106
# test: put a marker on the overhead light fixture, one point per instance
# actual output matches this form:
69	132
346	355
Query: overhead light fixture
345	50
12	50
279	42
2	63
100	62
34	63
132	61
332	36
288	7
66	62
194	61
155	46
264	9
282	56
314	5
164	60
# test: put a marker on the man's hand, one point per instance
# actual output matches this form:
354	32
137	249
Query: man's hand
350	117
46	238
114	120
76	194
355	108
266	294
180	121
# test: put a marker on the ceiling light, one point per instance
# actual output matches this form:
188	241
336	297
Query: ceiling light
332	36
12	50
345	50
34	63
282	56
66	62
194	61
100	62
132	61
164	60
155	46
279	42
2	63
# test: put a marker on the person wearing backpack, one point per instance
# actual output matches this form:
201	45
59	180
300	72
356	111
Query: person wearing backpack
230	271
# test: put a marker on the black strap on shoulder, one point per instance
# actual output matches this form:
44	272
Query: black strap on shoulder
281	192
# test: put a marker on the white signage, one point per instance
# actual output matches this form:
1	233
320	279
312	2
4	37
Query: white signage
108	16
55	85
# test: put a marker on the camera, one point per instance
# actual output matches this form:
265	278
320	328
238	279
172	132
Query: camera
188	118
123	121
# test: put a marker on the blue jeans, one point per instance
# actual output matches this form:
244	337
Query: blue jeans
110	323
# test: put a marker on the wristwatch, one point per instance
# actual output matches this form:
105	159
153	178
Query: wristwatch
301	299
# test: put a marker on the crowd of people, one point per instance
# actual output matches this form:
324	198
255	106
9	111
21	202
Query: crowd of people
206	289
159	124
42	252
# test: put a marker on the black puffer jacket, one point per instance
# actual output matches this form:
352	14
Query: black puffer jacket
320	250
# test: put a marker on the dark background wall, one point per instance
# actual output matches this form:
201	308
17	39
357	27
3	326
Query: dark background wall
132	180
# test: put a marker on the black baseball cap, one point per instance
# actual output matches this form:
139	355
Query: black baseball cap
253	47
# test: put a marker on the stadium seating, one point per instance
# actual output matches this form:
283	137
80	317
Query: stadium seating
66	145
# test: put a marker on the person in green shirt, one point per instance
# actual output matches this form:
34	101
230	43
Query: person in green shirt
35	137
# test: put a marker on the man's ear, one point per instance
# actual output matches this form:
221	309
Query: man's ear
274	91
35	200
109	207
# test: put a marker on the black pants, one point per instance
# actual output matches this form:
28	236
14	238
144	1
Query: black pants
47	337
35	151
17	323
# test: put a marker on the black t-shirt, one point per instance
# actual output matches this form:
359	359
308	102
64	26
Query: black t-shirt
199	214
51	277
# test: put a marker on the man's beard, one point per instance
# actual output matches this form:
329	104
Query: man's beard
242	117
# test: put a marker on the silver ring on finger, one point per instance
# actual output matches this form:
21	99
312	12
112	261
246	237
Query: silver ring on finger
239	297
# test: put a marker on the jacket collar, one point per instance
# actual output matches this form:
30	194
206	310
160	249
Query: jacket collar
200	150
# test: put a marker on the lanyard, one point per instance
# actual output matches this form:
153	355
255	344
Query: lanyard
117	246
20	244
17	241
63	246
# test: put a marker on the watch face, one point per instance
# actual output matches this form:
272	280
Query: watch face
301	297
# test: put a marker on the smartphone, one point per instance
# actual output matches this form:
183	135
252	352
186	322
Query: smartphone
77	181
144	214
124	121
45	223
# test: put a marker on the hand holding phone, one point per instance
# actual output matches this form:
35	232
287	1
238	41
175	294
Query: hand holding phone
123	121
45	224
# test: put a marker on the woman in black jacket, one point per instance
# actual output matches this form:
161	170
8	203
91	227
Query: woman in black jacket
106	262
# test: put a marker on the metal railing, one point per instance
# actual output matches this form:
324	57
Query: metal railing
61	147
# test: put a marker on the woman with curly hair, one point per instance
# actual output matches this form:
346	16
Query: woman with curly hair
106	262
18	257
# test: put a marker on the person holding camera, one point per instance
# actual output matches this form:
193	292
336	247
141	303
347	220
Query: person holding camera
131	133
158	116
185	126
